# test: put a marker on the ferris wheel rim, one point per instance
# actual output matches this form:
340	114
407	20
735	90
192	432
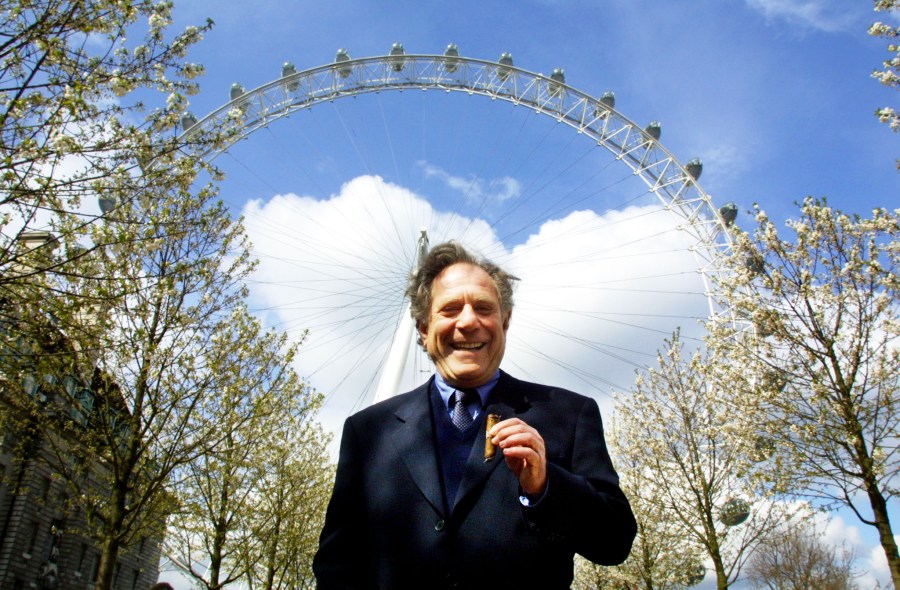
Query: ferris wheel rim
671	182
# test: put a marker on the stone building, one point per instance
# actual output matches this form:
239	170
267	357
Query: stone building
43	532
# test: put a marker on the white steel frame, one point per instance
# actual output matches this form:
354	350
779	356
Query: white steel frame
673	184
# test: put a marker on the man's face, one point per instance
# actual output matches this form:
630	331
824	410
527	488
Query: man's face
466	331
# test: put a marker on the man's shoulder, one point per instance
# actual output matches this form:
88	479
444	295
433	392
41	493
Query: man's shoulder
394	404
540	390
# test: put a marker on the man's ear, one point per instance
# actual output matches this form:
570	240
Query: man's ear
422	333
506	320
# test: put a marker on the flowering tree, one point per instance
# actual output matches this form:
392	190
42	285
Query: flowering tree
688	449
73	131
134	320
292	496
70	121
889	75
263	414
822	360
662	557
168	338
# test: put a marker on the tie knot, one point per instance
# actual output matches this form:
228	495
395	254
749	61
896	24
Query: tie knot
466	396
459	412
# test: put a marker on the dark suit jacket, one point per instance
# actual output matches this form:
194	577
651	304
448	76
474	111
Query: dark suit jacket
387	525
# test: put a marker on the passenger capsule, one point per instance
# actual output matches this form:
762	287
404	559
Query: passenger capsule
397	53
734	512
607	103
236	91
694	168
106	204
288	70
608	99
452	58
506	62
728	212
557	79
341	57
188	120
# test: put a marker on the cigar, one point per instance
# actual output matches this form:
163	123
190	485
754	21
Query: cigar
489	448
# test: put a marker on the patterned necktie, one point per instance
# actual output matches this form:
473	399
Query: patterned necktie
460	415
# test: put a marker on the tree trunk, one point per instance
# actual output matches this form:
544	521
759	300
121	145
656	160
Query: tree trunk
716	555
271	564
109	552
215	557
886	535
876	500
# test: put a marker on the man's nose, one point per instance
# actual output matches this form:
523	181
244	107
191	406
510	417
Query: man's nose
467	317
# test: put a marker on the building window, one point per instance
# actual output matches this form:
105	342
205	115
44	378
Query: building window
34	527
82	557
95	568
54	539
3	469
47	485
62	500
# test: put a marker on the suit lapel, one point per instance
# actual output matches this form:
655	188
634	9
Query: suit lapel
414	440
506	402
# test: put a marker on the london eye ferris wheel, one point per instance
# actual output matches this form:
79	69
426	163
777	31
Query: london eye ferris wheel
615	242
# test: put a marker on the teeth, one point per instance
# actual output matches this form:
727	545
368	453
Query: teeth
468	345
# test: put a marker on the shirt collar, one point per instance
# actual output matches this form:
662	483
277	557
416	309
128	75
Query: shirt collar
446	390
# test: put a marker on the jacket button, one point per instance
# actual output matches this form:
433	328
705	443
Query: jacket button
439	525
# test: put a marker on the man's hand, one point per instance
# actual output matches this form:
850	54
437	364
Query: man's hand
523	450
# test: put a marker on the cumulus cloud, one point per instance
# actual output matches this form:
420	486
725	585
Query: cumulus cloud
597	295
836	530
871	564
874	563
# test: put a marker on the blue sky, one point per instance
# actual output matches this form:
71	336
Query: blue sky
775	96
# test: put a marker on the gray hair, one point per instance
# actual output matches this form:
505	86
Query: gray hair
441	257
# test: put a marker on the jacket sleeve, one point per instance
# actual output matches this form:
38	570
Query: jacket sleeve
584	506
338	563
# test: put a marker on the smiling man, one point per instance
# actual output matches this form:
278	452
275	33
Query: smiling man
464	331
416	503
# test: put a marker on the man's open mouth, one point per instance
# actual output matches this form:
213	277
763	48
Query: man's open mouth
467	345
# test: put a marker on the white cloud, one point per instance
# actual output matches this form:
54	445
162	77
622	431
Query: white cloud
863	541
825	15
338	268
477	190
836	530
597	295
876	566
